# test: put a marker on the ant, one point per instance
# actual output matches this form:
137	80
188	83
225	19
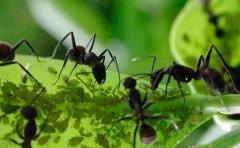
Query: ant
7	55
147	133
30	131
212	78
80	56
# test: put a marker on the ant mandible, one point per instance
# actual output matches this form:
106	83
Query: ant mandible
89	58
7	55
213	79
147	133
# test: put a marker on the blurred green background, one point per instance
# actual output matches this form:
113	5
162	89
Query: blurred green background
129	28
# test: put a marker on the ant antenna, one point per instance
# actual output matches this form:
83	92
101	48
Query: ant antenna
153	62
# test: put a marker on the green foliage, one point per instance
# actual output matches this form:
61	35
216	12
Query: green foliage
192	34
78	117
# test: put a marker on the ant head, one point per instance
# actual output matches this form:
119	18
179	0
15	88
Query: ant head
29	112
147	134
129	83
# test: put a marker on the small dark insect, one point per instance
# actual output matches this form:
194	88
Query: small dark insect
147	133
30	131
7	55
80	56
212	78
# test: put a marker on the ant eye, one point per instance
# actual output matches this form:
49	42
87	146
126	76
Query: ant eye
29	112
147	134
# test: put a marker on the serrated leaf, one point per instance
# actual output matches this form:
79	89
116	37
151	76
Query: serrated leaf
74	141
43	140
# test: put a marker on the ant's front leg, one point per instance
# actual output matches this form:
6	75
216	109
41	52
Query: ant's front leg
64	38
113	59
15	142
28	44
18	131
93	41
64	64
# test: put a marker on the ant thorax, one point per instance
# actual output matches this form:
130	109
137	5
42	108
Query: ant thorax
91	59
78	54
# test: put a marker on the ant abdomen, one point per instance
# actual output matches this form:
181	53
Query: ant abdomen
147	134
29	112
5	52
99	72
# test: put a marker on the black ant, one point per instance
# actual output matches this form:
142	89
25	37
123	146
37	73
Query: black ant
30	131
213	79
147	133
80	56
7	55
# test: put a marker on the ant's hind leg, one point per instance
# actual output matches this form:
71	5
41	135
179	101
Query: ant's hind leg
135	134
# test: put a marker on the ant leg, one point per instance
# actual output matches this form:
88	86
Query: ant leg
44	89
28	44
64	64
18	131
198	72
91	40
145	98
226	67
114	59
168	81
180	87
72	70
119	120
84	84
15	142
44	124
135	133
23	68
155	117
64	38
153	63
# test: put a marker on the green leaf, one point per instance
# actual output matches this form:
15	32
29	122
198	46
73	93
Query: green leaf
228	140
43	140
74	141
192	34
62	125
